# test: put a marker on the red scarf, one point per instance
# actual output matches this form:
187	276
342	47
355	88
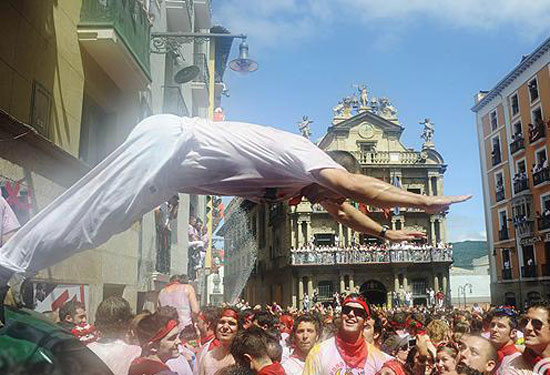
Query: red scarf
204	340
273	369
146	366
532	359
396	366
354	353
506	351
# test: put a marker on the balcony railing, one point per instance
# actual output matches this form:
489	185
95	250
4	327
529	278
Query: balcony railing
524	228
541	176
200	60
496	159
385	157
503	234
127	18
521	185
344	256
516	145
529	271
507	274
543	222
500	195
536	132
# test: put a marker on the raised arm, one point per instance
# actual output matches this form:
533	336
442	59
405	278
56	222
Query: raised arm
347	215
378	193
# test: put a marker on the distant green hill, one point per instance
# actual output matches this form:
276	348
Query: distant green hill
466	251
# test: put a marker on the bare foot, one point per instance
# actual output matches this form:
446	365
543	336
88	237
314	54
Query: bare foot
437	204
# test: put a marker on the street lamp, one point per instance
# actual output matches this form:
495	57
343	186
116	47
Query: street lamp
243	64
462	289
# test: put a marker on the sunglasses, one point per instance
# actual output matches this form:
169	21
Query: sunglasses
535	323
357	311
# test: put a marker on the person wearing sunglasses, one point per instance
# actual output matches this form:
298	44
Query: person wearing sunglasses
347	352
503	328
536	330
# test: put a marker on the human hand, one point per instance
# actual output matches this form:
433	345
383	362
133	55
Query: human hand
401	235
437	204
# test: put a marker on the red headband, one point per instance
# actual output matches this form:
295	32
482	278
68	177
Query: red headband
202	317
230	313
161	333
358	300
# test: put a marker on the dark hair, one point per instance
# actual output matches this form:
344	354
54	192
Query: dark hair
304	318
273	345
113	317
378	327
149	325
234	370
265	318
211	315
252	341
174	278
502	313
346	160
544	305
70	308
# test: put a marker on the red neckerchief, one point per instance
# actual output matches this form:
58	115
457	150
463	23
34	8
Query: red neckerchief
353	353
214	344
146	366
533	358
506	351
273	369
204	340
396	366
294	201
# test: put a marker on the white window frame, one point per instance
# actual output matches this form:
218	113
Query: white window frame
499	172
516	166
542	196
514	126
536	154
535	101
509	257
505	210
493	112
514	115
496	136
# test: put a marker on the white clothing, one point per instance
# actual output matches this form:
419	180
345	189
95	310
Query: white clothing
179	365
324	359
513	364
293	366
117	355
163	155
176	296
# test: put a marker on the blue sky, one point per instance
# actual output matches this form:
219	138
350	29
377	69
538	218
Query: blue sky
429	60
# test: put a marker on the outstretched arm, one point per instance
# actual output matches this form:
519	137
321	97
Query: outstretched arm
378	193
347	215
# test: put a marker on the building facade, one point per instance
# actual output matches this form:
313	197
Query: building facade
293	251
77	76
512	127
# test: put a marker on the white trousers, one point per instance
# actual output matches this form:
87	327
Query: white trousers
138	176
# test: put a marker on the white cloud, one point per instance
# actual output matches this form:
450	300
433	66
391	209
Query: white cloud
276	23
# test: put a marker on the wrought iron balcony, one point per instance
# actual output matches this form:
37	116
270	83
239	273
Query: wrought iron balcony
543	222
507	274
536	132
521	185
503	234
541	176
524	228
346	256
500	195
529	271
516	145
127	18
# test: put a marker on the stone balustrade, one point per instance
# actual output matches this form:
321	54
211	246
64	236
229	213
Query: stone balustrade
331	256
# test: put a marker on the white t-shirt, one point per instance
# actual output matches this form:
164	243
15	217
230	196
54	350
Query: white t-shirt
117	355
324	359
252	161
293	366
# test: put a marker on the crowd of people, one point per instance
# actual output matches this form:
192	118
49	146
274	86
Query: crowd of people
351	338
379	253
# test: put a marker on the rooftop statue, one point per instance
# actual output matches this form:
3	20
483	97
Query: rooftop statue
363	96
428	133
304	126
386	109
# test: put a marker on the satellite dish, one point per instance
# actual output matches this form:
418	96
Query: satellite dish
187	74
243	64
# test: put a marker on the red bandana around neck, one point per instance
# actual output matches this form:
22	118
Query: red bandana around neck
353	353
506	351
273	369
532	359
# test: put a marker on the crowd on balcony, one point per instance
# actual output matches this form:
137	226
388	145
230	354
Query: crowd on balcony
537	167
517	136
520	177
519	220
380	253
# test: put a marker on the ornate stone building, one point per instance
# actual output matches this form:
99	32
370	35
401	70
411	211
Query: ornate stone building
371	131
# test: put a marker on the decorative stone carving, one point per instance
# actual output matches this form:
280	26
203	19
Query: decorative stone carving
428	133
304	128
386	109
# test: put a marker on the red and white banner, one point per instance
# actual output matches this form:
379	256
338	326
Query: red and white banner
61	295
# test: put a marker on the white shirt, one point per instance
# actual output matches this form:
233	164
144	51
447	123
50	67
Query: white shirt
293	366
117	355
